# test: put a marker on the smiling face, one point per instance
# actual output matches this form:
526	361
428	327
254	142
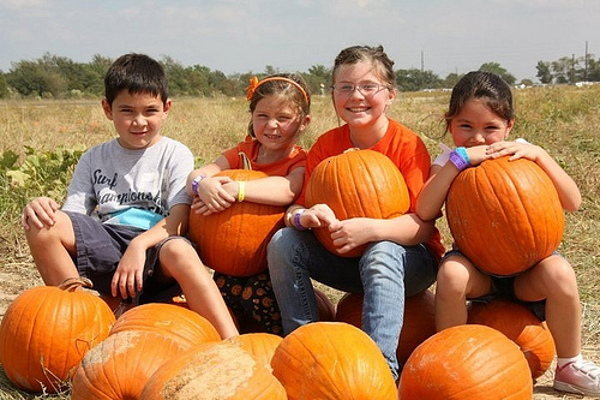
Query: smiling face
277	123
357	109
477	124
137	118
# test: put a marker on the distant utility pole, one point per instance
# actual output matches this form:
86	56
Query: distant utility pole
585	71
573	68
422	62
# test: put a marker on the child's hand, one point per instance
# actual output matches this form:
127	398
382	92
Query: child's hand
128	278
198	207
350	233
319	215
516	150
478	154
39	212
213	195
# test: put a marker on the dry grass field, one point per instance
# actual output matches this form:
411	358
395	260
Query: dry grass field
563	120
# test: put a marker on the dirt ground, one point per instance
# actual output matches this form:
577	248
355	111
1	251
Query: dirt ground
19	275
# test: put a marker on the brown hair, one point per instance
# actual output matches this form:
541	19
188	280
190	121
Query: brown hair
384	66
287	90
482	85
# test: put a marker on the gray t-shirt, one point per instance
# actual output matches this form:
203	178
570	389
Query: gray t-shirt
130	187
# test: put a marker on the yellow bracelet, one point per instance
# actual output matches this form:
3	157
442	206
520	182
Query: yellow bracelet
241	191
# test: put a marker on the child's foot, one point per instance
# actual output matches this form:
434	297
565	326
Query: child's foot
578	377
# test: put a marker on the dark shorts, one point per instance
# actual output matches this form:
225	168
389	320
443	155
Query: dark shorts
504	288
99	250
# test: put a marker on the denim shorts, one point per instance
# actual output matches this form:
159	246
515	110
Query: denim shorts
99	250
504	288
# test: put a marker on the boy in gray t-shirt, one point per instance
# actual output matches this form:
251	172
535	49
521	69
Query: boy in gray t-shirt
127	208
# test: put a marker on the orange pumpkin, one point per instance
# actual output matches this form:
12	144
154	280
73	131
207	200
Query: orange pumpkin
47	330
466	362
419	319
505	216
120	366
234	241
332	361
357	183
181	324
260	345
218	370
522	327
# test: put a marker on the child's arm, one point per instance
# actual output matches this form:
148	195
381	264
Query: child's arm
209	194
272	190
432	196
567	189
128	277
408	230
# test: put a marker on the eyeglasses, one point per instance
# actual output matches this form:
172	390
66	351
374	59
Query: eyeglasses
366	89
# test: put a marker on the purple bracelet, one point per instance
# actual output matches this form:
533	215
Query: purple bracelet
297	223
458	159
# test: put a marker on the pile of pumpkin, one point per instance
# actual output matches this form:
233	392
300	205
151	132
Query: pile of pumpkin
51	337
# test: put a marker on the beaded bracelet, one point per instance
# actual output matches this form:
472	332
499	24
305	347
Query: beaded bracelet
460	158
297	223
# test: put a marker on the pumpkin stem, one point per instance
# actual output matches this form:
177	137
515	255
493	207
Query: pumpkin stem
246	164
72	284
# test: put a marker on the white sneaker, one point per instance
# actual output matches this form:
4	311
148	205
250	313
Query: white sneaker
581	378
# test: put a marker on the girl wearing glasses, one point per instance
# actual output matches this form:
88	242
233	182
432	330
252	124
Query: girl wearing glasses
402	254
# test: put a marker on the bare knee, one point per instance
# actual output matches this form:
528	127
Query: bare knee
556	277
177	254
60	234
452	278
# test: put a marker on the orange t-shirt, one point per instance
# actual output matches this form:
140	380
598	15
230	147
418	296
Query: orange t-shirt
250	147
401	145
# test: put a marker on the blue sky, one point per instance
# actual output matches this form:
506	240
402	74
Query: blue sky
292	35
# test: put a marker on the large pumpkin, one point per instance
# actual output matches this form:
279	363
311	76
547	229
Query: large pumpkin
210	371
234	241
419	319
179	323
332	361
120	366
260	345
522	327
505	216
466	362
47	330
357	183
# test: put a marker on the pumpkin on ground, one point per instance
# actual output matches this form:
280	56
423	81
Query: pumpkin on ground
466	362
234	241
505	216
522	327
332	361
419	319
181	324
260	345
47	330
119	367
219	370
357	183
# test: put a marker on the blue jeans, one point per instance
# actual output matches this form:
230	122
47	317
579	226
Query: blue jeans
386	273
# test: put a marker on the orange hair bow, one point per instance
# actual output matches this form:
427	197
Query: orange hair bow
251	88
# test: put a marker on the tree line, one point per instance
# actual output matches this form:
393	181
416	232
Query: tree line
56	77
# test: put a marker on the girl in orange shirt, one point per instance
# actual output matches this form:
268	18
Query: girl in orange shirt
280	107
